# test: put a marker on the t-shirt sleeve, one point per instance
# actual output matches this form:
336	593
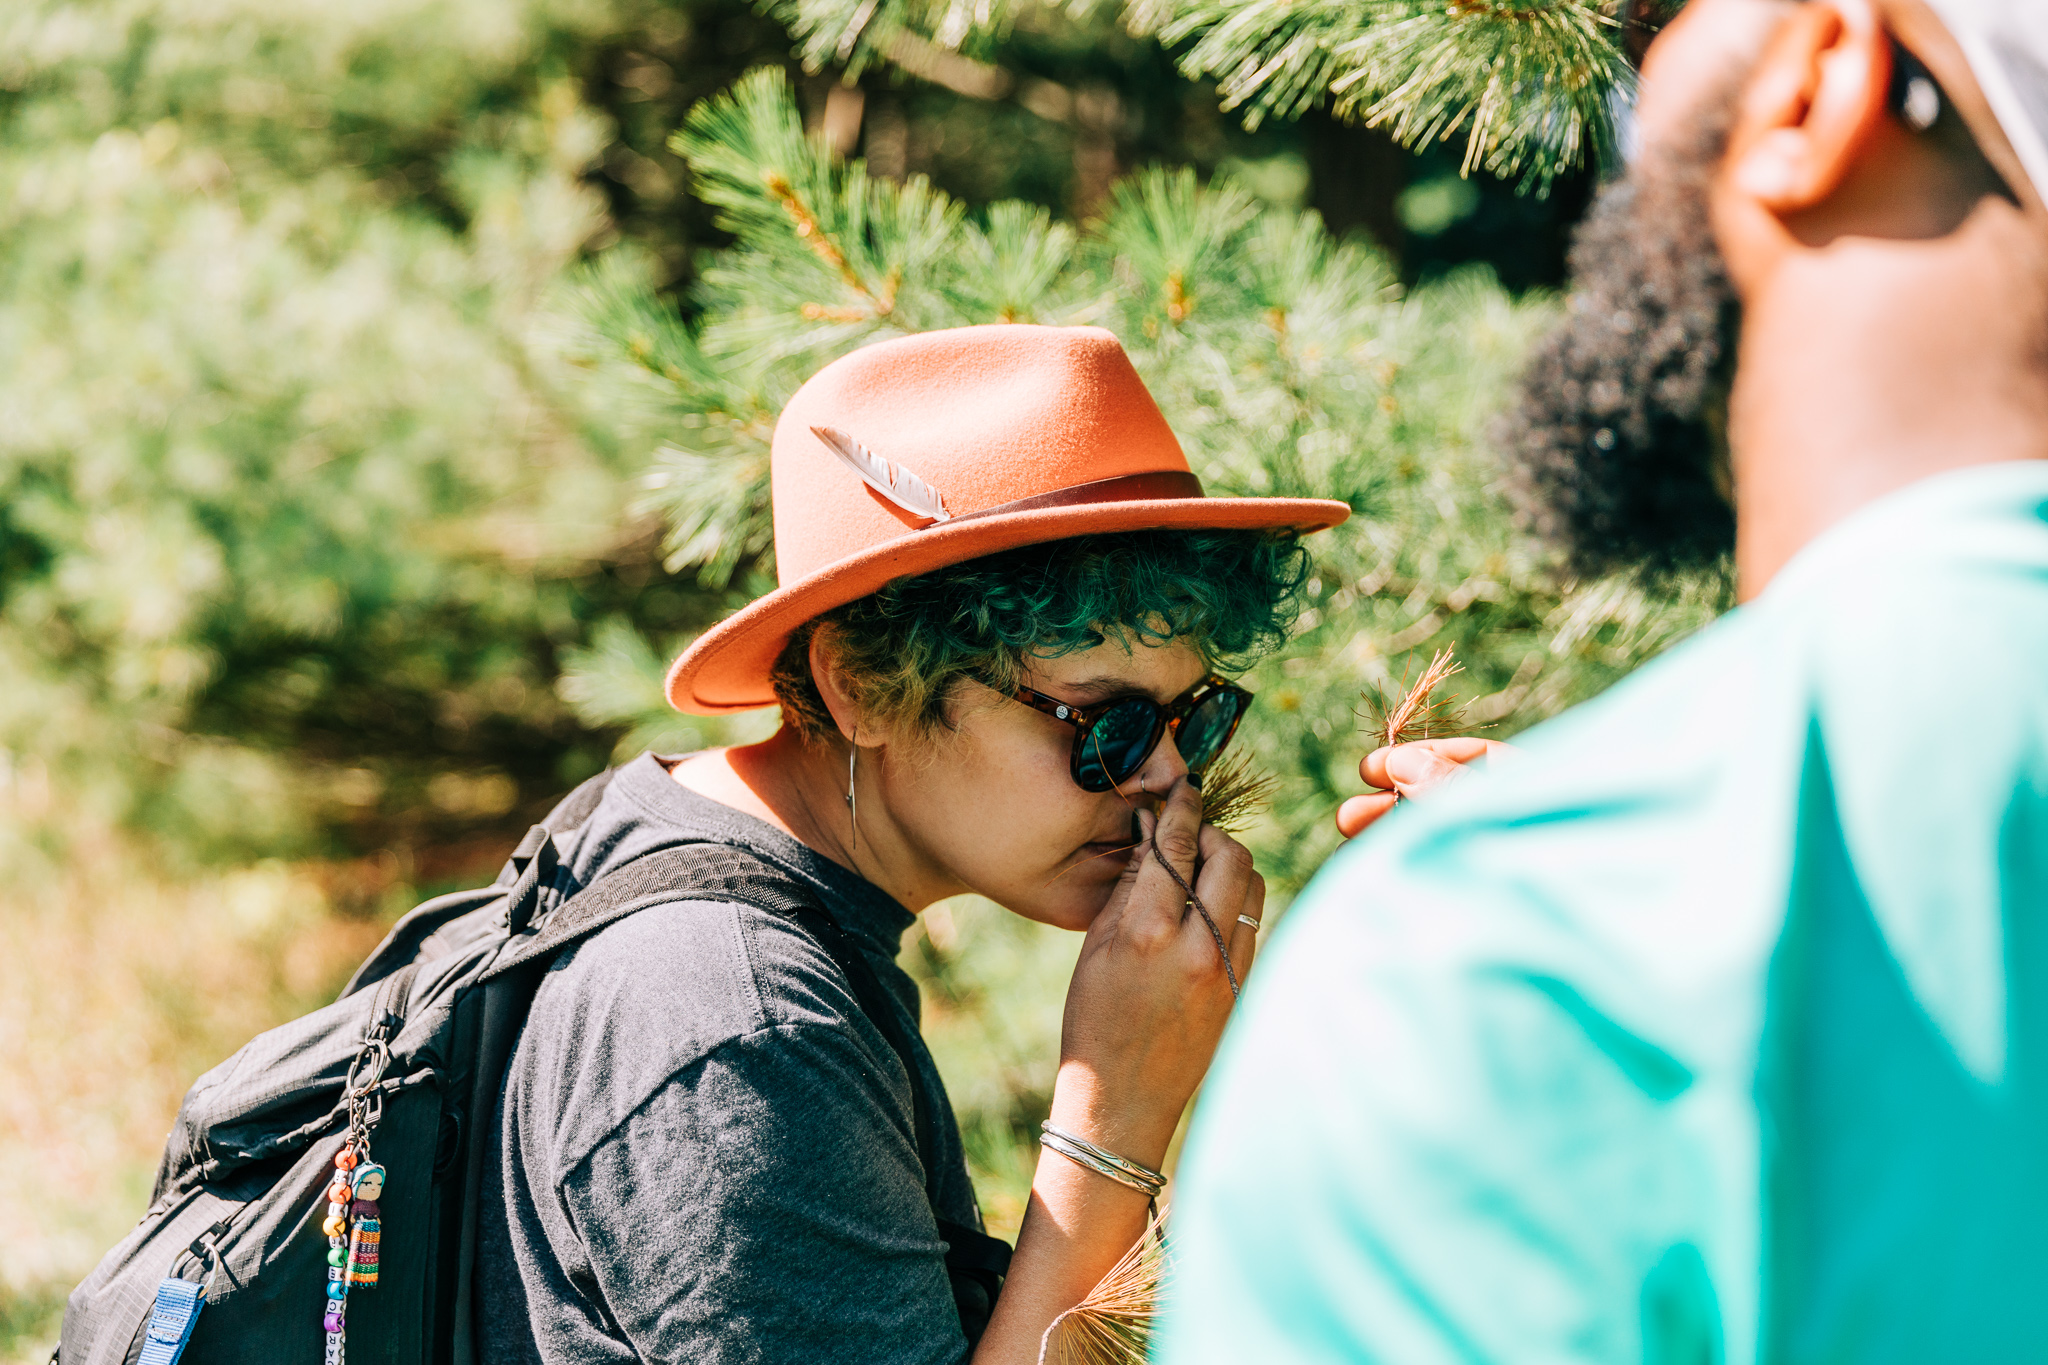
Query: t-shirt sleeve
767	1206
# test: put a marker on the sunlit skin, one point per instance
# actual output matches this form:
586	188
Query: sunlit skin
988	805
1406	771
1894	285
1894	301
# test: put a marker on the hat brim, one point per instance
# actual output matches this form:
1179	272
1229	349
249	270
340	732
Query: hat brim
726	668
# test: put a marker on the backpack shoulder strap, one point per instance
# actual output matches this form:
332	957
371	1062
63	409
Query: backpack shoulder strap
690	872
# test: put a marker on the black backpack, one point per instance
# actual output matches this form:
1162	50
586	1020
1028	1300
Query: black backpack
418	1042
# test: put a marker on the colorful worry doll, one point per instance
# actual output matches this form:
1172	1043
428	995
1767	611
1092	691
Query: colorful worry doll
365	1229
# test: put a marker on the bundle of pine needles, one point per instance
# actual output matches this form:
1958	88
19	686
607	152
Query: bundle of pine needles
1234	790
1419	713
1114	1324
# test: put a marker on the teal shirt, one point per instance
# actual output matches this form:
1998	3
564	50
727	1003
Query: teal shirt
1715	1028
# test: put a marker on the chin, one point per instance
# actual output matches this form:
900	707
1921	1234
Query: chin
1072	903
1066	895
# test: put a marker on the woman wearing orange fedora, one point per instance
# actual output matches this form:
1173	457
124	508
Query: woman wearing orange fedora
1005	613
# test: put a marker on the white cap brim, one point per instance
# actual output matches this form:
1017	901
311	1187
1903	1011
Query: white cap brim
2006	44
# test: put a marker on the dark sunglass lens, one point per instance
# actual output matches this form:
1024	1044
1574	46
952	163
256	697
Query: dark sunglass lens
1118	744
1207	728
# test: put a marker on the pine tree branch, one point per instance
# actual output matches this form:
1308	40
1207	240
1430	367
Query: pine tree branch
1531	84
812	235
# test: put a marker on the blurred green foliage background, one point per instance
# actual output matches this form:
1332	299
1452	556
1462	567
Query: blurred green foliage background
384	397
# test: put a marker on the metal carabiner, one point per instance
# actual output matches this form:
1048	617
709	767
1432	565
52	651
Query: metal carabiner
376	1055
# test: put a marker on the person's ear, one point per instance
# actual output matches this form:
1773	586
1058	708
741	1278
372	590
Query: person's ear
1817	96
836	691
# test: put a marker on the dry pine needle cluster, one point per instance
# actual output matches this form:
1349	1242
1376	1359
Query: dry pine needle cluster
1419	713
1114	1324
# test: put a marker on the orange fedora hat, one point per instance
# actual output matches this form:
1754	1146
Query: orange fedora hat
929	450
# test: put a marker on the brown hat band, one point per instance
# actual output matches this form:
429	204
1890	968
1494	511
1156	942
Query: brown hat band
1162	483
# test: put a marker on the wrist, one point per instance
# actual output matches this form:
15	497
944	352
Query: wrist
1083	1106
1101	1161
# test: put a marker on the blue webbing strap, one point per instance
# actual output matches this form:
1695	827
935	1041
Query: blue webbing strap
171	1320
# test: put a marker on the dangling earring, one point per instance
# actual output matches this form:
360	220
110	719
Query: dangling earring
852	806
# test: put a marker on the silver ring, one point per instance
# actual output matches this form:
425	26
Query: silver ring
1247	919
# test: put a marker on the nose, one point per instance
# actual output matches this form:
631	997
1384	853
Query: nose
1162	768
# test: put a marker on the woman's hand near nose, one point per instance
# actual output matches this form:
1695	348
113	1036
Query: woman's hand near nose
1150	996
1146	1007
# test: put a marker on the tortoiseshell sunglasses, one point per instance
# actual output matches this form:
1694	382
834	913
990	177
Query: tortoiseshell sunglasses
1112	739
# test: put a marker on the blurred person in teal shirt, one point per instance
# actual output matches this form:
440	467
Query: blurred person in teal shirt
1713	1026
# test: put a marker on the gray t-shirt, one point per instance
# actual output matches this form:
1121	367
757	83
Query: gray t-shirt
705	1152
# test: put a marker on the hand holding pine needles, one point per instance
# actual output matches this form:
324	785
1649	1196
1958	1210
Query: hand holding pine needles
1144	1012
1413	755
1113	1325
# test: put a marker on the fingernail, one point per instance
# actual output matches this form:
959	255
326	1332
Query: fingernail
1408	766
1195	781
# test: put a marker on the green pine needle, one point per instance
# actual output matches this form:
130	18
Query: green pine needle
1531	84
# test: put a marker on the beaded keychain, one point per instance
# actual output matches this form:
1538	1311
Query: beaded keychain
354	1227
339	1194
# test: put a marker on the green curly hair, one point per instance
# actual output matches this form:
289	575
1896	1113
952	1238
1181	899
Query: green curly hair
1233	595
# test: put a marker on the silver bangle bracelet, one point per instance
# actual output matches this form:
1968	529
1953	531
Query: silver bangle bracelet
1084	1153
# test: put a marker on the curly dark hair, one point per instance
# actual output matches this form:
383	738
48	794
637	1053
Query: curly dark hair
1617	440
1233	595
